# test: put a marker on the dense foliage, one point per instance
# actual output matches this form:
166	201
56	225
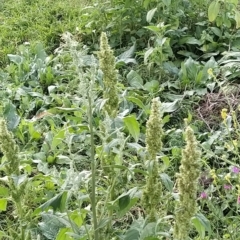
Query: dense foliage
119	119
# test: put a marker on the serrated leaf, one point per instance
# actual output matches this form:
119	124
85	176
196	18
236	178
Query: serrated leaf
150	14
133	126
213	10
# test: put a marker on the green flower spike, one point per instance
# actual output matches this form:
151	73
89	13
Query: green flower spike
107	65
187	182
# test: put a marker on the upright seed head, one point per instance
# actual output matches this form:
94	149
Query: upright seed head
107	65
154	130
9	149
187	182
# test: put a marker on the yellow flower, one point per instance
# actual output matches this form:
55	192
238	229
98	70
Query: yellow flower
213	175
210	72
224	113
227	177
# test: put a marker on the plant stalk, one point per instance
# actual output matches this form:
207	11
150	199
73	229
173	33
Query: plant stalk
93	168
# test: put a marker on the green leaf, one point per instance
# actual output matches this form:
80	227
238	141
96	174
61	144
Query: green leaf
137	101
237	18
169	107
15	59
135	80
4	192
123	202
132	234
213	10
147	54
168	183
189	40
3	204
58	138
201	224
133	126
216	31
19	180
11	116
62	234
150	14
127	54
151	86
57	203
148	231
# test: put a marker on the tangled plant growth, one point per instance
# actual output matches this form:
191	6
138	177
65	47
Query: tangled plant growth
92	129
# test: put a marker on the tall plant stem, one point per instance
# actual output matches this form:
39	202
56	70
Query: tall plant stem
93	168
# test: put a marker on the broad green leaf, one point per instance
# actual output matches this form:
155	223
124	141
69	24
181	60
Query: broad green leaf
167	181
78	217
151	86
213	10
128	54
131	203
19	180
4	191
237	18
15	59
11	116
216	31
62	234
148	231
132	234
57	203
189	40
123	202
150	14
133	126
134	79
40	51
3	204
137	101
169	107
201	224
